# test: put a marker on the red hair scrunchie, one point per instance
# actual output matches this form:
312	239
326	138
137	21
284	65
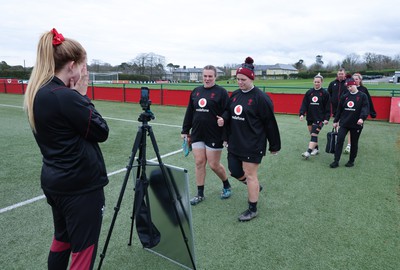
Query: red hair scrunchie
58	38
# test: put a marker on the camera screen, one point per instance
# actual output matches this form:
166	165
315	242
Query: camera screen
145	92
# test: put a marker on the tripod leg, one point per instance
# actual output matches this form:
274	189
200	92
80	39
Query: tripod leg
140	171
121	195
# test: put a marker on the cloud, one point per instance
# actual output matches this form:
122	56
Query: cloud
207	32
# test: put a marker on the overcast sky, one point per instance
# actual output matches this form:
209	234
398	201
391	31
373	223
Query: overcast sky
196	33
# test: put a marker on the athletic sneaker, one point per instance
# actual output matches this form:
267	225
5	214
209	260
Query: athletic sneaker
347	149
349	164
247	215
306	155
334	164
314	152
196	200
226	193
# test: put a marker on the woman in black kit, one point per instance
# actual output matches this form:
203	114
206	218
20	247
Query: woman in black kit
200	128
67	129
351	113
250	123
316	107
358	79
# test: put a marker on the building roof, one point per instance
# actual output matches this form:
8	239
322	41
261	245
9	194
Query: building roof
191	70
276	66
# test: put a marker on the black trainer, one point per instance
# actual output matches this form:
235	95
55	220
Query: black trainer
247	215
334	164
349	164
197	199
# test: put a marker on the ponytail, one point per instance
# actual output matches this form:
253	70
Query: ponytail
53	52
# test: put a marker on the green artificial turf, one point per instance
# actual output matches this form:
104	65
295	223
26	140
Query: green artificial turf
310	216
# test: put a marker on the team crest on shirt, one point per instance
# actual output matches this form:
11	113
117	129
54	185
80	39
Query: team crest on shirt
212	95
202	102
249	102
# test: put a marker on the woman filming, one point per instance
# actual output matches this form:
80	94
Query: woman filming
67	129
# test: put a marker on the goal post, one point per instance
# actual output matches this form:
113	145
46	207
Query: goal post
108	77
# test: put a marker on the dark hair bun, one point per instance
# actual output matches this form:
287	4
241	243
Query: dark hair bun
348	76
249	60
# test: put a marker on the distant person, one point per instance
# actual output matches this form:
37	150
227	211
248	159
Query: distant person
352	111
67	129
360	86
336	89
201	130
316	107
251	123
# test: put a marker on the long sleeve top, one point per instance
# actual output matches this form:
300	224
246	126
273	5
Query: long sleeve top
68	130
200	120
351	108
316	105
251	123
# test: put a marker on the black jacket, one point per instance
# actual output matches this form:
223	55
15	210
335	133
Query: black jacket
68	129
336	89
252	123
316	105
372	111
205	104
351	108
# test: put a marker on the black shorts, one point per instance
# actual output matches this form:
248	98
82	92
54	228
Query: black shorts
235	164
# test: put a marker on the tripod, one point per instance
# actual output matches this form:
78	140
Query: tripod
141	198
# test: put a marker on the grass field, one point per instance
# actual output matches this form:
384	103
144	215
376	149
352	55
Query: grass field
310	216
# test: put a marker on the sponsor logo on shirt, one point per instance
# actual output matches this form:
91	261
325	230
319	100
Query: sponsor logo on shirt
238	111
202	103
350	106
314	100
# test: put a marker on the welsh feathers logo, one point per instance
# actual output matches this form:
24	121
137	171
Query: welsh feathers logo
350	104
202	102
314	99
238	110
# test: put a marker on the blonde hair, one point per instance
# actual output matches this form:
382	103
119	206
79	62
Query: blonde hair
319	76
359	76
49	60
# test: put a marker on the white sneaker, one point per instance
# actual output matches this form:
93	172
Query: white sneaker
314	152
347	150
305	155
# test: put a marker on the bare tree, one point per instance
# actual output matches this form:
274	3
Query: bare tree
300	65
352	62
318	60
150	64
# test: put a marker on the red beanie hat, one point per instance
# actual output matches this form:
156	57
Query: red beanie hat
350	81
247	68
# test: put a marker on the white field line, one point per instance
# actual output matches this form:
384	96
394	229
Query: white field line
11	106
11	207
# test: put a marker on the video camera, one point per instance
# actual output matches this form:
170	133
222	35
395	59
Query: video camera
145	103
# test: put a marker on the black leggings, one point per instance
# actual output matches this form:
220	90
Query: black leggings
77	223
354	136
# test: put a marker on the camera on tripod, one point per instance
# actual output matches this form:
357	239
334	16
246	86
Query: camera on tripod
145	103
